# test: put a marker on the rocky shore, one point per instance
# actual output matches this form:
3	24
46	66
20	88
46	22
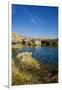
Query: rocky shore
27	70
19	41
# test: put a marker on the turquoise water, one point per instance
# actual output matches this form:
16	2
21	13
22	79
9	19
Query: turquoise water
46	55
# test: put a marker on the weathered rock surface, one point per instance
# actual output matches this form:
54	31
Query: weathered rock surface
27	70
26	59
18	39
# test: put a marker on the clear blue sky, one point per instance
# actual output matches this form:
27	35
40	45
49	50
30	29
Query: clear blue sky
35	21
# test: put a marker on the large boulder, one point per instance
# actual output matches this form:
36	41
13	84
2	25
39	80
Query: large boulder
25	60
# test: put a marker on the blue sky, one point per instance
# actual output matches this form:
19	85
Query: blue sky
35	21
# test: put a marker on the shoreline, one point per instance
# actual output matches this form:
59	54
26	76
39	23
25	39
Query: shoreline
37	72
22	46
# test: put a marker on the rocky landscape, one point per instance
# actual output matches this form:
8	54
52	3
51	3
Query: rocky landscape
25	68
18	41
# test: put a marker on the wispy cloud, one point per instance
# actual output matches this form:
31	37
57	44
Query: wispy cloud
34	19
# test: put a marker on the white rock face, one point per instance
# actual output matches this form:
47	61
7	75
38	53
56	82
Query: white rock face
37	42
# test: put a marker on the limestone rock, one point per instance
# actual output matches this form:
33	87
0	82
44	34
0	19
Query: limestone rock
26	59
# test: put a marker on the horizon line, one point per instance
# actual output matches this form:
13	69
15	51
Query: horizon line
45	37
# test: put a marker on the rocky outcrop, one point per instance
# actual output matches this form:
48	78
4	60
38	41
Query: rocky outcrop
23	69
27	70
25	59
17	39
38	42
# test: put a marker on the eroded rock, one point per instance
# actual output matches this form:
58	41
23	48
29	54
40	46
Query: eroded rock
26	59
